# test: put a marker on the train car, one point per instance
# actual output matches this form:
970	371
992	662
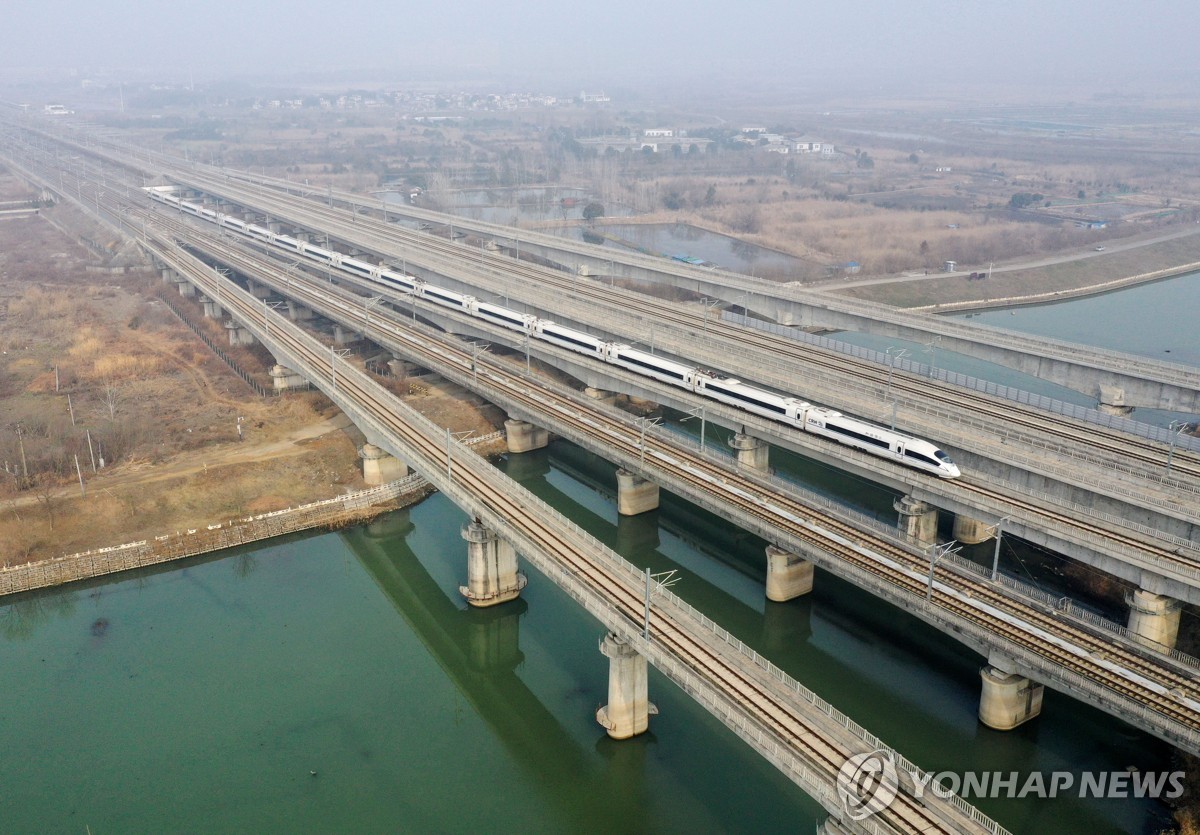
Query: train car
912	452
570	339
641	362
875	440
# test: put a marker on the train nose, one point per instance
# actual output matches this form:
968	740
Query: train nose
951	470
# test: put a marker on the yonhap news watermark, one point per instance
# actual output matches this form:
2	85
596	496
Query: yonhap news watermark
868	783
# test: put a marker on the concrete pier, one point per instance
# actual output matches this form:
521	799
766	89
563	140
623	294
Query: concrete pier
298	312
212	310
1154	618
628	710
186	288
285	378
788	575
751	452
970	531
259	291
169	276
917	519
600	394
344	336
635	494
523	436
238	335
1112	400
1007	699
492	575
401	367
378	466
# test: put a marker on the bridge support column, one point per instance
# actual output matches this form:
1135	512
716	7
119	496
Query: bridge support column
186	288
635	494
601	395
298	312
285	378
788	575
628	710
970	531
751	452
524	437
1112	400
259	291
378	466
401	367
918	520
1007	699
238	335
1154	618
212	310
169	276
344	336
833	826
492	575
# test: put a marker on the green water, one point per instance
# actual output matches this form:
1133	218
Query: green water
201	698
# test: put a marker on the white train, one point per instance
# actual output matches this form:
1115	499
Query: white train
876	440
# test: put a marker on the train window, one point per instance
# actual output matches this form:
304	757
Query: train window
850	433
908	453
941	456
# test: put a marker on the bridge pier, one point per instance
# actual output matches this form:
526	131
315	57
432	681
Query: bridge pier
492	575
1007	699
238	335
522	436
259	291
833	826
212	310
751	452
344	336
1112	400
298	312
635	494
629	708
378	466
285	378
788	575
1154	618
169	276
186	288
603	396
918	520
401	367
970	531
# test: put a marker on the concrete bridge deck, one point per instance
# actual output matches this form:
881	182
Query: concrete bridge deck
723	490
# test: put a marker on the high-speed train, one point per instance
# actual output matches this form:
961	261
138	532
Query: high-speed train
818	420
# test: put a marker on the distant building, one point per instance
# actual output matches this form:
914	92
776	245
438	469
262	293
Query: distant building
664	132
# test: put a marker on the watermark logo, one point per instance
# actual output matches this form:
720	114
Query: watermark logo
867	783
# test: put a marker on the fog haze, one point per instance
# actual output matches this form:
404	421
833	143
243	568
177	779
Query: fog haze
1100	43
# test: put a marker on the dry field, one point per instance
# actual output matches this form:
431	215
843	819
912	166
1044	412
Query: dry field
85	355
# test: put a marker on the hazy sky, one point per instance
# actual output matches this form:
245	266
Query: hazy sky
1100	42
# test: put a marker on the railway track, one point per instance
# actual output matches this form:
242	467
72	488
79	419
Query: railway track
673	633
1122	448
1171	692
